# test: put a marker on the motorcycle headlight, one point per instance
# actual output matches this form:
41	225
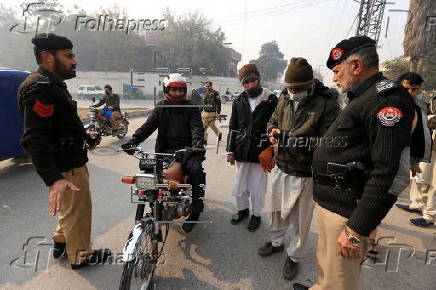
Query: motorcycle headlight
145	182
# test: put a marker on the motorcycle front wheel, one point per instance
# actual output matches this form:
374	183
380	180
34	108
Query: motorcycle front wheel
122	132
138	274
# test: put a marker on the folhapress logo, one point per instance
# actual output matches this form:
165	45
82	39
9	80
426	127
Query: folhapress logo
38	18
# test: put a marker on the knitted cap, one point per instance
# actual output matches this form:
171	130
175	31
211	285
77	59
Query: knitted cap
299	73
248	70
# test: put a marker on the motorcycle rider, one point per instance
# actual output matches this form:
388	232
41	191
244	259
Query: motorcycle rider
178	127
112	102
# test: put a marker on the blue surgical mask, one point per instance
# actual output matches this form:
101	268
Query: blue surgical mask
297	96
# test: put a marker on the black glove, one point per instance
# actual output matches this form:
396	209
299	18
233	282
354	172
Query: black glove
129	147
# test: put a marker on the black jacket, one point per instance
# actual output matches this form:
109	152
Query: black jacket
178	127
247	130
376	125
53	132
110	101
212	102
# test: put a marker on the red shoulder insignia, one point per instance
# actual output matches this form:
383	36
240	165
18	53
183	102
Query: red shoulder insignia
43	110
389	116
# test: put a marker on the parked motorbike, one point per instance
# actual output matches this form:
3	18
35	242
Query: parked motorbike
169	198
99	124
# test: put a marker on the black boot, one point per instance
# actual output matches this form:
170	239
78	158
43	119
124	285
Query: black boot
298	286
290	269
239	216
59	250
254	223
189	226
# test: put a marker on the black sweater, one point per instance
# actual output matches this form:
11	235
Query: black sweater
377	125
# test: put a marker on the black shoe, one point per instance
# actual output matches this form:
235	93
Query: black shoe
188	227
98	257
407	208
298	286
239	216
290	269
268	249
59	250
254	223
220	136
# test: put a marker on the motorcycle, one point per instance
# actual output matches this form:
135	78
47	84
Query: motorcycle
169	199
99	124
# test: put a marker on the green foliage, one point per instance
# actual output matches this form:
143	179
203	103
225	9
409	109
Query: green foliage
188	41
396	67
270	62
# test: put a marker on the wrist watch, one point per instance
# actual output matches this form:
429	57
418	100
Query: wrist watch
355	241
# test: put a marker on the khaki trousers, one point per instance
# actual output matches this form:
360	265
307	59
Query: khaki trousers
74	223
335	272
209	122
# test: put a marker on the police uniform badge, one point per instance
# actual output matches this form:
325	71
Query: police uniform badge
389	116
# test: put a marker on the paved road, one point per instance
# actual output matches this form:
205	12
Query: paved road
213	256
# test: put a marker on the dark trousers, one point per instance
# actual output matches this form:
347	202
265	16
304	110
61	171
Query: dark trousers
193	167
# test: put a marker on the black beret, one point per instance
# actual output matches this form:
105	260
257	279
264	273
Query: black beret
347	47
51	41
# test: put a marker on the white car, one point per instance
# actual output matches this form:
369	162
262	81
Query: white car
89	91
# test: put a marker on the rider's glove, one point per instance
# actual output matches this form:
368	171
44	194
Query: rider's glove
129	147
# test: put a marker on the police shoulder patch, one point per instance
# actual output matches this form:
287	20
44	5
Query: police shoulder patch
389	116
384	86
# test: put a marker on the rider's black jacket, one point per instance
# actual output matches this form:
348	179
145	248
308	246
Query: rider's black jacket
53	132
110	101
178	127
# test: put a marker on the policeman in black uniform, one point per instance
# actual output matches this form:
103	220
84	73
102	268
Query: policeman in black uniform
55	138
362	163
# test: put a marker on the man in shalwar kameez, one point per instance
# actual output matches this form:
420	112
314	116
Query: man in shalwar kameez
303	114
251	111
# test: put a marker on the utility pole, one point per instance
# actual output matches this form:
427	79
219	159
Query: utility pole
370	18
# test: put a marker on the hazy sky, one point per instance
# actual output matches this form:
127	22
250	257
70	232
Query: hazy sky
307	28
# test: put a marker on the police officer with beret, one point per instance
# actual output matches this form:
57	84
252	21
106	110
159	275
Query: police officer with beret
55	138
356	184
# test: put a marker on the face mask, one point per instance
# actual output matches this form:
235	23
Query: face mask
297	96
254	91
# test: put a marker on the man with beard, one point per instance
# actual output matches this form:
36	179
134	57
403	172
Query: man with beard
251	111
112	102
55	138
355	185
302	116
211	109
178	125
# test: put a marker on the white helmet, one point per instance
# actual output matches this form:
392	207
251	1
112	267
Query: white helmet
174	80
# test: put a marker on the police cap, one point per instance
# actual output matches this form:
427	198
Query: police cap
347	47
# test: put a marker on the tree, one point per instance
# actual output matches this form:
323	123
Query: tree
188	41
396	67
270	62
